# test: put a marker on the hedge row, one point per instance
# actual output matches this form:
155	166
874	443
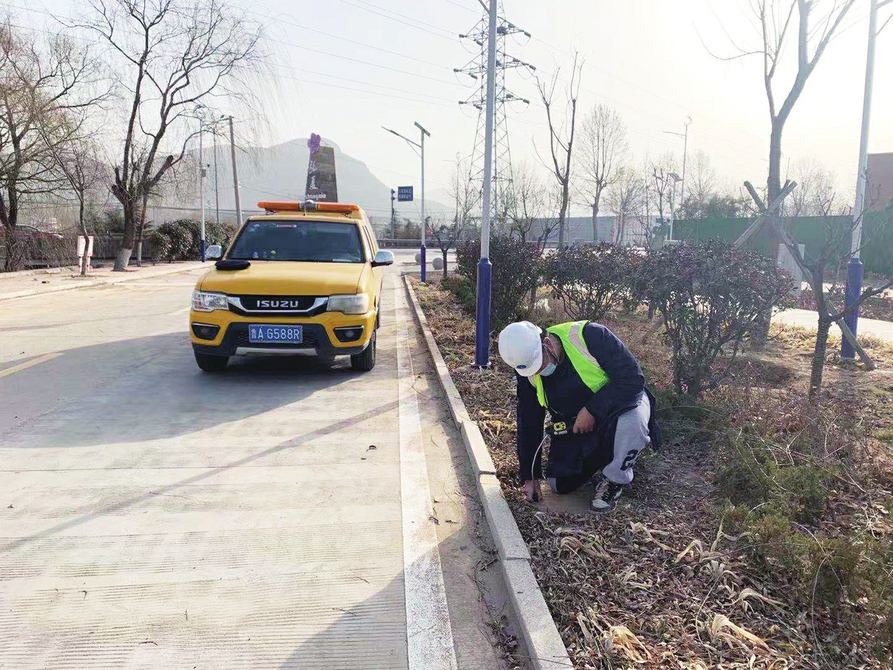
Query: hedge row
709	295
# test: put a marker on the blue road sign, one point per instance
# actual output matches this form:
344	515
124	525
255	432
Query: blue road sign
404	193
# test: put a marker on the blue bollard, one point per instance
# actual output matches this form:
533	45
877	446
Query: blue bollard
853	291
424	261
203	250
482	323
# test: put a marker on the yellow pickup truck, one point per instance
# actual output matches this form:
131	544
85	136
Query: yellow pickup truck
301	278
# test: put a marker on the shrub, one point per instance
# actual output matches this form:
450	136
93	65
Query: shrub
710	295
516	272
180	240
591	280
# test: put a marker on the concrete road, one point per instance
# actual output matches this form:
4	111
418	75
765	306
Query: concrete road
803	318
282	515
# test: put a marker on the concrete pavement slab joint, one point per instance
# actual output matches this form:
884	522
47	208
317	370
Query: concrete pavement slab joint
544	645
428	630
96	282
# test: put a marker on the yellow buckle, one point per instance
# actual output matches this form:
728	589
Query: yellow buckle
559	427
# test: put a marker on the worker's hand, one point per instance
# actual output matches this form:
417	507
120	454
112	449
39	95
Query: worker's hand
532	490
585	422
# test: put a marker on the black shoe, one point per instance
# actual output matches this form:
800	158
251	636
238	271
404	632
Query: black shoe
606	496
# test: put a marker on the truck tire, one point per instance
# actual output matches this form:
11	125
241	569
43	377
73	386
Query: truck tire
209	363
365	360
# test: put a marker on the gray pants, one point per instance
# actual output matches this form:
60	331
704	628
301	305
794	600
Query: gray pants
629	441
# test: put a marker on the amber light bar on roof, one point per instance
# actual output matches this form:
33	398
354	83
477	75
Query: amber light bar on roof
309	206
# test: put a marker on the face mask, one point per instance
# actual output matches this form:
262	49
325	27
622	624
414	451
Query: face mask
548	370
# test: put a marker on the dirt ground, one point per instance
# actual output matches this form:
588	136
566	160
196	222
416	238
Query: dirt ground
675	577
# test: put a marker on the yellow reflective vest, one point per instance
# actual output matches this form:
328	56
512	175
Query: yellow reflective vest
571	336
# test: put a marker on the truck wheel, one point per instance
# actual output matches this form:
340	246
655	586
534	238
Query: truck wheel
210	363
365	360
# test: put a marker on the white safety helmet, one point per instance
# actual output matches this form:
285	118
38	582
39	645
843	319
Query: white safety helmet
521	347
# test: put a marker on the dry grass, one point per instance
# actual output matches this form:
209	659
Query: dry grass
670	580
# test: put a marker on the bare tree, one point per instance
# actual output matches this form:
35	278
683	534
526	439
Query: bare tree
625	200
80	163
464	193
561	136
603	146
526	202
42	87
173	56
814	266
661	186
781	22
701	185
816	190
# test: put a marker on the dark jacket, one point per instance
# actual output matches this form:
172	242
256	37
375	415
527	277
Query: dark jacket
566	395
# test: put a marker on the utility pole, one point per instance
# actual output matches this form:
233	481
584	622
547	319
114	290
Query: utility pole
216	183
854	268
684	153
482	322
201	183
232	141
393	215
478	71
420	149
424	220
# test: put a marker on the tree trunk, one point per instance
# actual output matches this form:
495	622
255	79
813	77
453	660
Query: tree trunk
595	221
123	258
819	354
86	256
773	188
444	252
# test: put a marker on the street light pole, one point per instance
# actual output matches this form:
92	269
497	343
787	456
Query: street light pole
482	322
684	137
854	268
421	148
216	183
684	159
232	141
422	251
201	182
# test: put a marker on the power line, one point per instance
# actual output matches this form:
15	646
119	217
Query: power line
399	18
354	42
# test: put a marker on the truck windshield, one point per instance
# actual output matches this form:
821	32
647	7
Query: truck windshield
307	241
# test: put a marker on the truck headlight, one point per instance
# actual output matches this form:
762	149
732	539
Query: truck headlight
208	302
349	304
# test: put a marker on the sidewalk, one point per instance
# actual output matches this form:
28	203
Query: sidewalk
37	282
804	318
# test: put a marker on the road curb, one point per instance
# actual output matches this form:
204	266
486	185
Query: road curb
544	645
94	282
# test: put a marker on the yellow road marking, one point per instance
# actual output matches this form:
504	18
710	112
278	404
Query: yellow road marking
28	364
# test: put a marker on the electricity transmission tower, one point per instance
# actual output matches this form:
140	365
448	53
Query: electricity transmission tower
476	69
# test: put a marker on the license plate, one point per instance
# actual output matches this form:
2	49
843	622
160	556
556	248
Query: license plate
258	334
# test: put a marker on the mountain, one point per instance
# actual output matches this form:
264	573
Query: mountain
280	173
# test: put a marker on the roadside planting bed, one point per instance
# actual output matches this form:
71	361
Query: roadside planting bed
760	537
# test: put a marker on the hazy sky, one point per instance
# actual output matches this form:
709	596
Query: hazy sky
347	67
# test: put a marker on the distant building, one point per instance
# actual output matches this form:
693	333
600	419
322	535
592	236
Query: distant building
880	176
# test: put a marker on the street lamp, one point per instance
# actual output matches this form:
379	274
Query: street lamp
854	268
684	152
421	150
482	321
675	179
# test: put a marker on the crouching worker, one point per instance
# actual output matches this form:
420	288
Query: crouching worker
602	412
